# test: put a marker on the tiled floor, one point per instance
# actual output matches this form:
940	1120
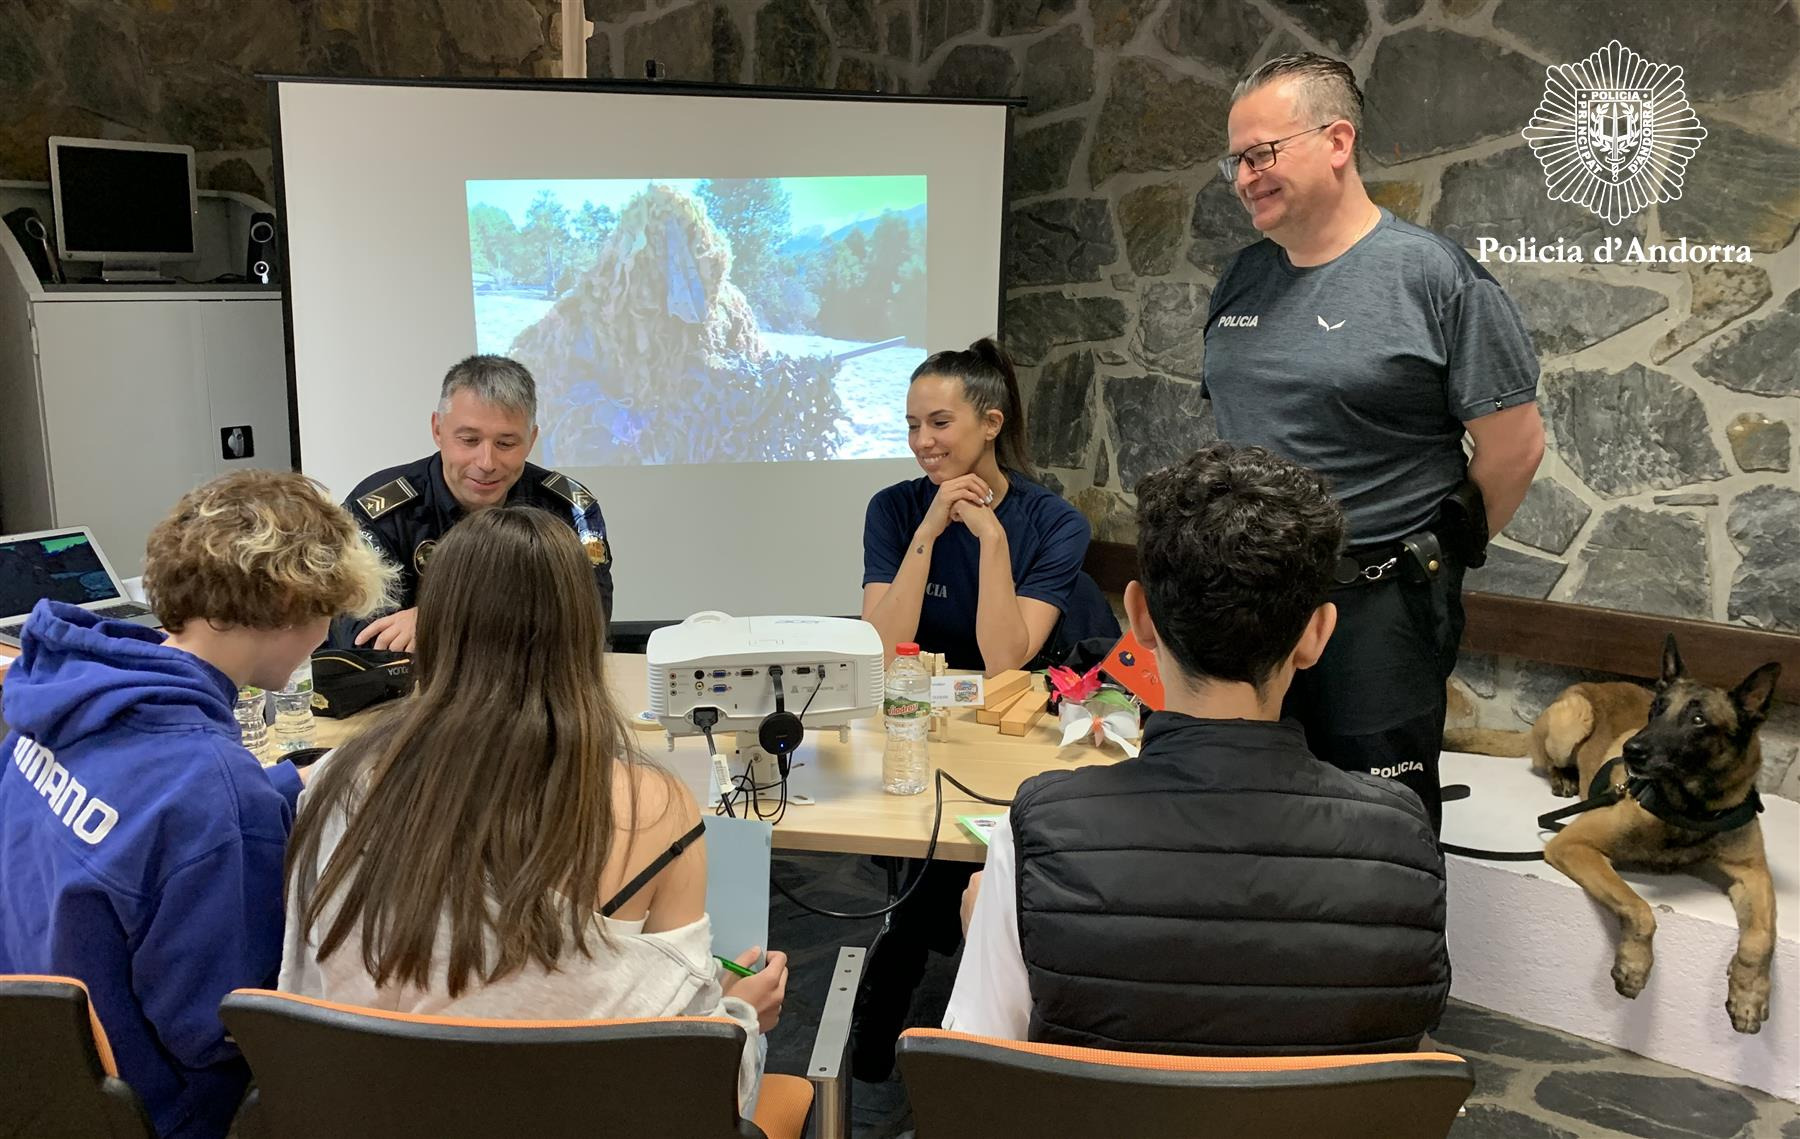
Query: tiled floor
1530	1082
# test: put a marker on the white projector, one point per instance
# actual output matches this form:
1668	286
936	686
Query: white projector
830	670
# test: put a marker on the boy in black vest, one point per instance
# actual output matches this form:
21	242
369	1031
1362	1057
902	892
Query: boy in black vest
1225	892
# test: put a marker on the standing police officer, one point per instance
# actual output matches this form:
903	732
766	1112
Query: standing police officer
484	426
1364	347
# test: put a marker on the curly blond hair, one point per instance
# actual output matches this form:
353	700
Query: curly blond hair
261	550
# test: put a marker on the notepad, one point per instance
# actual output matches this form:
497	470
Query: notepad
738	852
981	826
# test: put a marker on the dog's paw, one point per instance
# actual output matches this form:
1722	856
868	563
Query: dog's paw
1563	782
1747	1013
1747	997
1631	968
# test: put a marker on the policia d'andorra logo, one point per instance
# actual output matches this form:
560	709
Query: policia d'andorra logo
1614	132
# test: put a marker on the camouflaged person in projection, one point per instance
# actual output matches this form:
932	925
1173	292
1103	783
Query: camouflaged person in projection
655	352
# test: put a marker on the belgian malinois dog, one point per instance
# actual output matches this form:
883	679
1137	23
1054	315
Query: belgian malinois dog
1694	762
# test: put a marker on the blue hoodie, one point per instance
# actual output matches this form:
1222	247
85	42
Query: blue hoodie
140	850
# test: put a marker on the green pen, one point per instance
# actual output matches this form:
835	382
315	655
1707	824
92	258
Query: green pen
734	967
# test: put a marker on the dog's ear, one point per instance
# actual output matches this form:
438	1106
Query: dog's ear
1757	692
1671	662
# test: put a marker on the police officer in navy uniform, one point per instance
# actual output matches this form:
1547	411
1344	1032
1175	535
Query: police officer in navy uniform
485	424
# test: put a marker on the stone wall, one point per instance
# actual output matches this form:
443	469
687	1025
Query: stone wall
1672	393
184	70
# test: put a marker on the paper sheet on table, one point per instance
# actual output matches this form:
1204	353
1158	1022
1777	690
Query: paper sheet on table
737	883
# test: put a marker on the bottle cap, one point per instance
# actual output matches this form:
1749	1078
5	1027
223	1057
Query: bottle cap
906	649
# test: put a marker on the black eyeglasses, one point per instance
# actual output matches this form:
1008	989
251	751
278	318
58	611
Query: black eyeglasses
1261	156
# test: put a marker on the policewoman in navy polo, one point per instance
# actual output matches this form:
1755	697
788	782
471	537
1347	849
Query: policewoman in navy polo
975	560
980	563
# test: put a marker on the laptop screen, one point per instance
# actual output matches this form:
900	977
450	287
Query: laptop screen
63	567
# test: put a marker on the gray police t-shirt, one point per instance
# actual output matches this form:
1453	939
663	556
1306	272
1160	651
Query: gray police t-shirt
1366	368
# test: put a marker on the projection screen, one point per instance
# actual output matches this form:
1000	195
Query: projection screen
721	297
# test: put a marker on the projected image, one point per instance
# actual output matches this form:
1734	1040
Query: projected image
706	320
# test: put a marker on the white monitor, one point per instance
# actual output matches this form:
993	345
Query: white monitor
722	296
128	205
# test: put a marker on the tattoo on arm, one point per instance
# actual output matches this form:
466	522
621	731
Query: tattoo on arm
919	549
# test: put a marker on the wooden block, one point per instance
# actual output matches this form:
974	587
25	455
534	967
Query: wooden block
939	726
1024	712
991	712
1004	687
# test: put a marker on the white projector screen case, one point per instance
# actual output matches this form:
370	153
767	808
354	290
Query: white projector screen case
426	222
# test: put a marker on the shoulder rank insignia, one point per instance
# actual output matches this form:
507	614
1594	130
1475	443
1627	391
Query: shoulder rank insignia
567	489
385	498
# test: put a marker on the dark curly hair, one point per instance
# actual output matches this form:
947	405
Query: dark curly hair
1236	548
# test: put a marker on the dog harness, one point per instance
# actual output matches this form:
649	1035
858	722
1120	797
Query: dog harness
1602	793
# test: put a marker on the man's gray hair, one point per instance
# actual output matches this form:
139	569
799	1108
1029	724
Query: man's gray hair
1327	89
499	380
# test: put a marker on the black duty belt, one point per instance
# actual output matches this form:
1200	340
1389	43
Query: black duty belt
1369	565
1417	557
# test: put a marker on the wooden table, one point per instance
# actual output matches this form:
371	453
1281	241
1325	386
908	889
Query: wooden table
851	814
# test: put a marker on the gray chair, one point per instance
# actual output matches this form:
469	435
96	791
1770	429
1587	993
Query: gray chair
57	1076
1000	1089
328	1069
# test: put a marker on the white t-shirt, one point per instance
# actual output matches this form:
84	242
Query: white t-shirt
630	974
992	994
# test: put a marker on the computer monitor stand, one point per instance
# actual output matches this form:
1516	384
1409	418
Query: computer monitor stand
131	271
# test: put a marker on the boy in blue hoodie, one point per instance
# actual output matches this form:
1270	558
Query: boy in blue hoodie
140	845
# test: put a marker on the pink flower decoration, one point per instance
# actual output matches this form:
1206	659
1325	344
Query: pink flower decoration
1071	685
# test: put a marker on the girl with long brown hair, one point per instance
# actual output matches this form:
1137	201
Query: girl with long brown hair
479	852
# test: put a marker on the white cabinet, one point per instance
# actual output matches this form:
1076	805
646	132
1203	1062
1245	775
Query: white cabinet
135	395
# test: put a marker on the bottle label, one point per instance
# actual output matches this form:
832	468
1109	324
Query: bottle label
905	708
302	678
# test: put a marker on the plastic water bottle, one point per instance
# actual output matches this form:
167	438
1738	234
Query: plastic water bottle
253	725
907	711
293	711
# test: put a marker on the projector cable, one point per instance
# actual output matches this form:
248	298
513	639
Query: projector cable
748	793
704	719
937	820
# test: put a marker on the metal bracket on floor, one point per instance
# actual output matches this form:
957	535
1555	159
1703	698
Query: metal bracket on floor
829	1068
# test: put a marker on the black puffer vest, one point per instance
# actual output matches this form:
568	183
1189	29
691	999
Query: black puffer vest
1226	893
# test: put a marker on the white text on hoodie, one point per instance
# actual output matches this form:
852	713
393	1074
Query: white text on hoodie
90	819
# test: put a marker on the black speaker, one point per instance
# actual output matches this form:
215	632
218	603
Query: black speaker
35	240
259	257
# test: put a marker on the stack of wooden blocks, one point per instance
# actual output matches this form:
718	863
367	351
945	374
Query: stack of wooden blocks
1013	703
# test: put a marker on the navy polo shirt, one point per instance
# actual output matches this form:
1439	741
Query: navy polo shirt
1047	537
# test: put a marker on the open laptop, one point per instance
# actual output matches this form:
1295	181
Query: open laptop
63	565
